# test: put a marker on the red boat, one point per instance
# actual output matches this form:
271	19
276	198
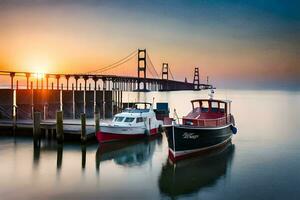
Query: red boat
209	125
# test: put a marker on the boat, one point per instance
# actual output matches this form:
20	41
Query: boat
209	125
138	121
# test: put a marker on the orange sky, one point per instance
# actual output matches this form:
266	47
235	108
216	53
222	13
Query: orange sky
71	38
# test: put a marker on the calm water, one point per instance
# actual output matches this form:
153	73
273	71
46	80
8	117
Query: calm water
263	161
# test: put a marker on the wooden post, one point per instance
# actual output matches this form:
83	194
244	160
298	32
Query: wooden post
95	94
83	127
97	121
59	127
67	78
121	100
103	98
118	99
45	111
76	82
73	101
32	103
112	102
57	81
61	97
36	128
84	100
14	117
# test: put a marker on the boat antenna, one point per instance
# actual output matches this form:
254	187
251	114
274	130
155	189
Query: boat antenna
153	100
176	116
211	94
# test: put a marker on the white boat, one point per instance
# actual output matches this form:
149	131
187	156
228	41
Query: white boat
136	122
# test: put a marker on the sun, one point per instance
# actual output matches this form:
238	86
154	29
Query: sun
39	75
39	71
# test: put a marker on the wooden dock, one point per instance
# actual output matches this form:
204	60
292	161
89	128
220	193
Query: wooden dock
71	128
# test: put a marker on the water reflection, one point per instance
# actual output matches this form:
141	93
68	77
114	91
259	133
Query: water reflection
36	154
51	145
129	153
83	156
192	175
59	156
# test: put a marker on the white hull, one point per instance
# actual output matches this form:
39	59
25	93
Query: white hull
123	130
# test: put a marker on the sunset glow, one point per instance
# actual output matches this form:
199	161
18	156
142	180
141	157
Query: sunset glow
230	42
39	75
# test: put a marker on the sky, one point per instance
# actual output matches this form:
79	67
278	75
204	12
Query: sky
236	43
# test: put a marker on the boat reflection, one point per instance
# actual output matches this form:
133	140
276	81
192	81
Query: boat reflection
128	153
192	175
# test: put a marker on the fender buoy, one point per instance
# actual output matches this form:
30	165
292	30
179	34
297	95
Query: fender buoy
233	129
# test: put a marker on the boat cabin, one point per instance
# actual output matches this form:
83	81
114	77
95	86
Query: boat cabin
136	114
208	112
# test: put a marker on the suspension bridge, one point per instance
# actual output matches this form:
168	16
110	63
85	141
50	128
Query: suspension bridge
112	77
95	94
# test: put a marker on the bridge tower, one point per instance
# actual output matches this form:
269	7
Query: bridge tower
196	81
142	63
165	71
165	75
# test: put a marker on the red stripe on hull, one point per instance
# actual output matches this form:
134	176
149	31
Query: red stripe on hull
153	131
197	153
110	137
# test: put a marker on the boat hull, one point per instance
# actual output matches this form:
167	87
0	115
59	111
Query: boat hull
186	141
112	133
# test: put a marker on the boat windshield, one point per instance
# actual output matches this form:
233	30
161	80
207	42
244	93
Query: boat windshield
129	119
138	110
119	119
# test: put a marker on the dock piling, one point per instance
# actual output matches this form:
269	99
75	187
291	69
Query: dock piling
97	121
59	127
36	128
83	127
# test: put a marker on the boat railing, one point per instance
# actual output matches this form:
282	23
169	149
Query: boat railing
222	121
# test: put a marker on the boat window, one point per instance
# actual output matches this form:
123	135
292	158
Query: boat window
222	107
119	119
139	119
129	119
214	107
204	106
196	104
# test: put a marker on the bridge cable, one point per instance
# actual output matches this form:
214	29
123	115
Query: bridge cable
171	73
115	64
151	67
